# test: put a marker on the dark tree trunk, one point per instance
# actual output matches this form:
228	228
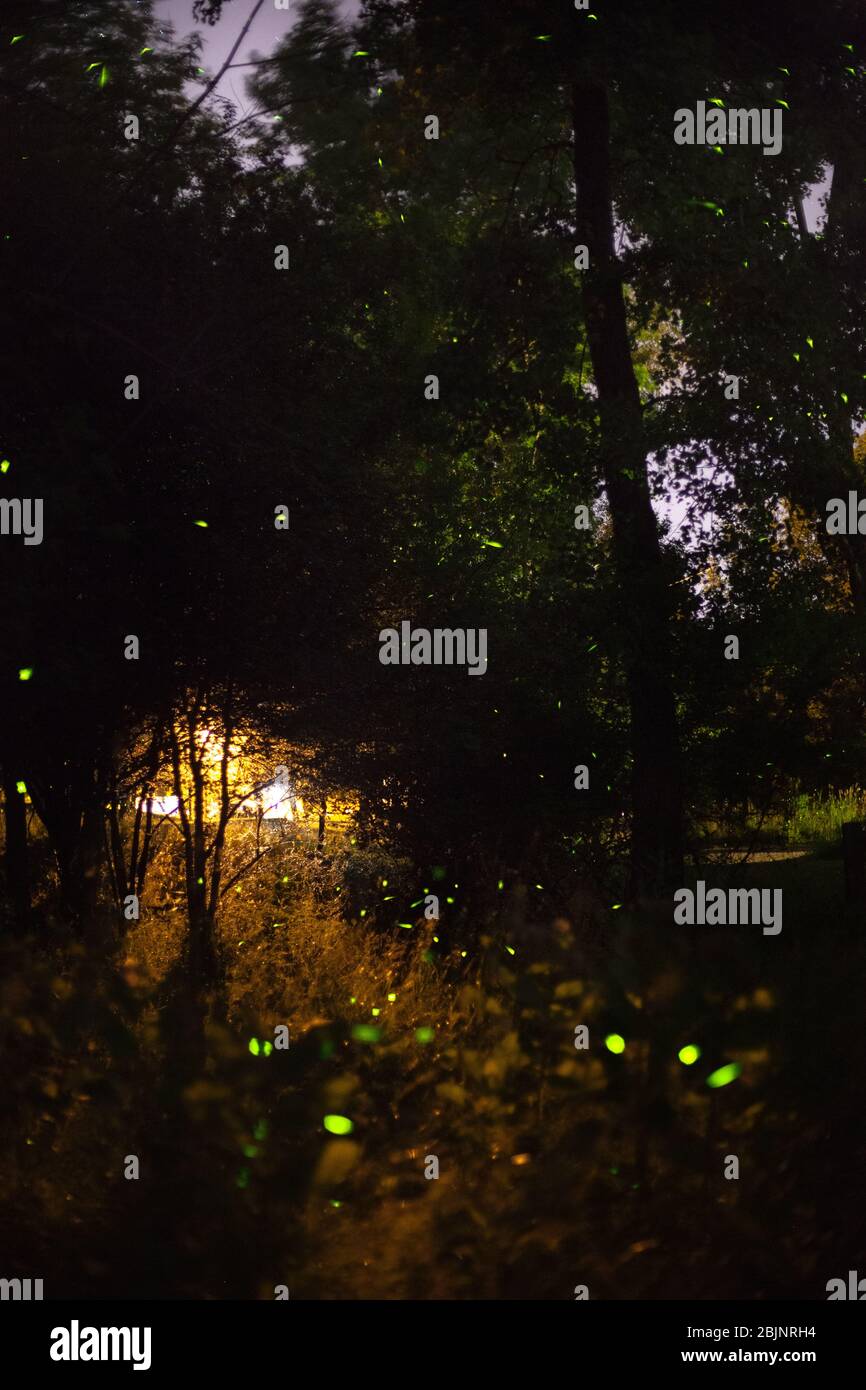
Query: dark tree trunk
17	877
837	258
841	476
657	809
76	835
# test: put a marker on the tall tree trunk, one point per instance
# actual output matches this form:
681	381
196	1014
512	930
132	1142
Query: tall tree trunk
845	228
836	470
17	878
657	802
76	835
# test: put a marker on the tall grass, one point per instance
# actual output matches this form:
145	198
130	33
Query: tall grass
820	817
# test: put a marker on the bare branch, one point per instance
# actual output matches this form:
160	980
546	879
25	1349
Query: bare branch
244	868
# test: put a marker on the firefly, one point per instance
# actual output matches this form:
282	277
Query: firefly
337	1124
723	1076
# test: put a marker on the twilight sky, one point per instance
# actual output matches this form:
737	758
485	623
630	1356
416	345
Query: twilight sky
267	29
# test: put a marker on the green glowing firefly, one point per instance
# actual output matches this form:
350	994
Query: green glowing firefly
337	1124
201	523
511	951
615	1043
268	1049
361	53
425	1035
494	545
811	342
844	397
25	673
103	76
392	998
723	1076
21	788
407	926
783	103
703	203
501	884
145	50
254	1046
5	465
689	1054
366	1033
16	39
716	101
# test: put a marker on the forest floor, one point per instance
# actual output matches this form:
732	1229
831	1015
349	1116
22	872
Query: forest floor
558	1166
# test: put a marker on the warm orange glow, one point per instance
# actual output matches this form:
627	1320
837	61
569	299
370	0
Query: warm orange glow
256	786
